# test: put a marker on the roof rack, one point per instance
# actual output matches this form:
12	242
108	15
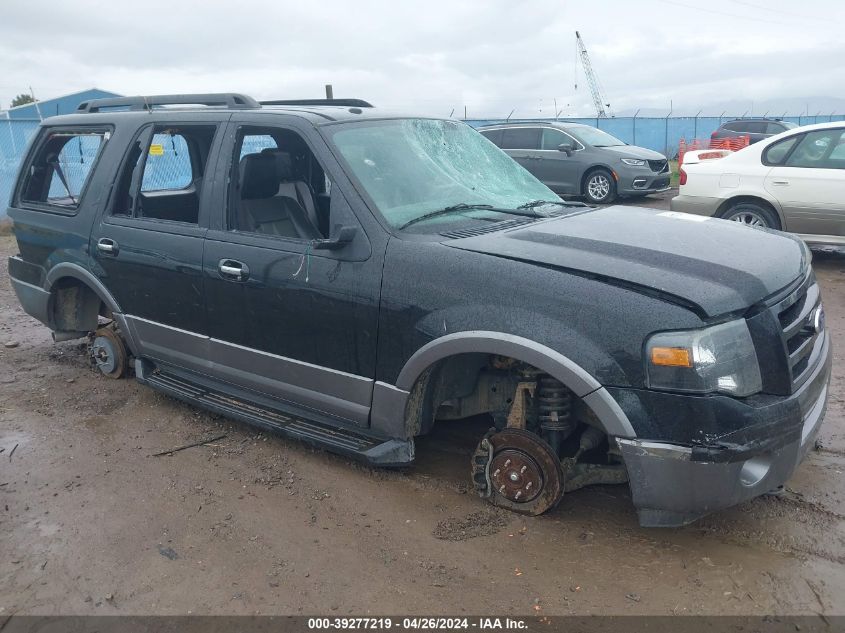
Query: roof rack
347	103
231	100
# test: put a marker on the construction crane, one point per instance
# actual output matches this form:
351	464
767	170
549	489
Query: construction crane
602	108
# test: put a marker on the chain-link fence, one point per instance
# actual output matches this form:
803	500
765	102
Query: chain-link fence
15	135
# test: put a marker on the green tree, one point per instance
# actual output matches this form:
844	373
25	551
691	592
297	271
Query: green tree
22	99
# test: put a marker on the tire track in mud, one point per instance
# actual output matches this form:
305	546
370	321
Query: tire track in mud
810	528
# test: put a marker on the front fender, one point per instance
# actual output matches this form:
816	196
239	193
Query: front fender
390	402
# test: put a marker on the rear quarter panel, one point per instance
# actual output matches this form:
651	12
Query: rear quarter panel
46	238
741	174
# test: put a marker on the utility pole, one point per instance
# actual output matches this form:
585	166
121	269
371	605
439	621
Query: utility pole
329	91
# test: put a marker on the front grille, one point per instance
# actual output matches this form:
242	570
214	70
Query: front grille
802	344
658	166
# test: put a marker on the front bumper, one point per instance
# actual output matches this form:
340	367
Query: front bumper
641	181
673	484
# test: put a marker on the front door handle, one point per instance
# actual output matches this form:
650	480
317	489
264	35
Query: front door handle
233	269
107	246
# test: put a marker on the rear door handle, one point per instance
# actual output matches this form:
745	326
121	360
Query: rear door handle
781	183
107	246
233	269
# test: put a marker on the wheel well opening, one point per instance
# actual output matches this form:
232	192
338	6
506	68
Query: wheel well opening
590	172
728	204
503	389
75	307
479	404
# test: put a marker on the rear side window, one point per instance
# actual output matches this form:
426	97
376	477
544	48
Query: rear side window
775	128
756	127
168	163
61	167
493	135
163	173
521	138
777	152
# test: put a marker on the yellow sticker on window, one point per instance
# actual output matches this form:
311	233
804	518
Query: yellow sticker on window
156	150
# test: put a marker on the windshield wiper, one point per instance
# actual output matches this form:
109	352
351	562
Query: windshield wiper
541	203
463	206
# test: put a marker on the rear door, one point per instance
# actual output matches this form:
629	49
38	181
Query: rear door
808	180
757	130
147	246
523	145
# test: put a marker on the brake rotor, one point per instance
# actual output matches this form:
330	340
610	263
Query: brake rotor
523	474
109	354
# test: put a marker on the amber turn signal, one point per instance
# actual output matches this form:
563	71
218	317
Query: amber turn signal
671	357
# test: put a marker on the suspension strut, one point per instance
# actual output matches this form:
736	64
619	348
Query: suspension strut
554	411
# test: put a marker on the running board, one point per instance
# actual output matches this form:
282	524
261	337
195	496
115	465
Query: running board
372	450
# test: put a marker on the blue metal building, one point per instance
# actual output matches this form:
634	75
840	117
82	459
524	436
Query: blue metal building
57	105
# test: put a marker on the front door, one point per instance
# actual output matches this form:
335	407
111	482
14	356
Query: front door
147	247
286	318
559	171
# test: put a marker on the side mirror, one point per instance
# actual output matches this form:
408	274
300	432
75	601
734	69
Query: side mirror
340	237
566	147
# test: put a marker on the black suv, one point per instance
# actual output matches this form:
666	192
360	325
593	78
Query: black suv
754	129
347	277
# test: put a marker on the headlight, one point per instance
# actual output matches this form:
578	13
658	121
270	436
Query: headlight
638	162
719	358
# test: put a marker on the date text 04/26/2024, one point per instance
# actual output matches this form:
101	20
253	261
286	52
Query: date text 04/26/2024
417	623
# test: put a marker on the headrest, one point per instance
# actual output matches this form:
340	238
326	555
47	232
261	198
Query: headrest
259	176
284	163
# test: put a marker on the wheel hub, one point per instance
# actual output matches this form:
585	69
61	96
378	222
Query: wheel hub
518	470
516	476
599	187
104	354
749	218
109	353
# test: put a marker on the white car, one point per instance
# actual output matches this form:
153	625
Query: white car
794	182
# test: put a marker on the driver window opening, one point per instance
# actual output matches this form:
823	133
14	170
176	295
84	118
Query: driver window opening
278	186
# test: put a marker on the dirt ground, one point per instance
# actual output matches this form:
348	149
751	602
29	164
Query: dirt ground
91	523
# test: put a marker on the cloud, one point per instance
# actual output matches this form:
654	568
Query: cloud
430	57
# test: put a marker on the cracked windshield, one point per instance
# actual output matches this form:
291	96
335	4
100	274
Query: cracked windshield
432	172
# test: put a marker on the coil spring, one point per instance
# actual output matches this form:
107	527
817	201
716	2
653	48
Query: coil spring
554	404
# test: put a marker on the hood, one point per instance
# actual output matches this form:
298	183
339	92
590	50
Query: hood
718	266
633	151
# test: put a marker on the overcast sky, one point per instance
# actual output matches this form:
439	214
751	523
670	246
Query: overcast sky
435	56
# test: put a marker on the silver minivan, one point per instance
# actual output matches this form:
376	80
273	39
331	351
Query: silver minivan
579	160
